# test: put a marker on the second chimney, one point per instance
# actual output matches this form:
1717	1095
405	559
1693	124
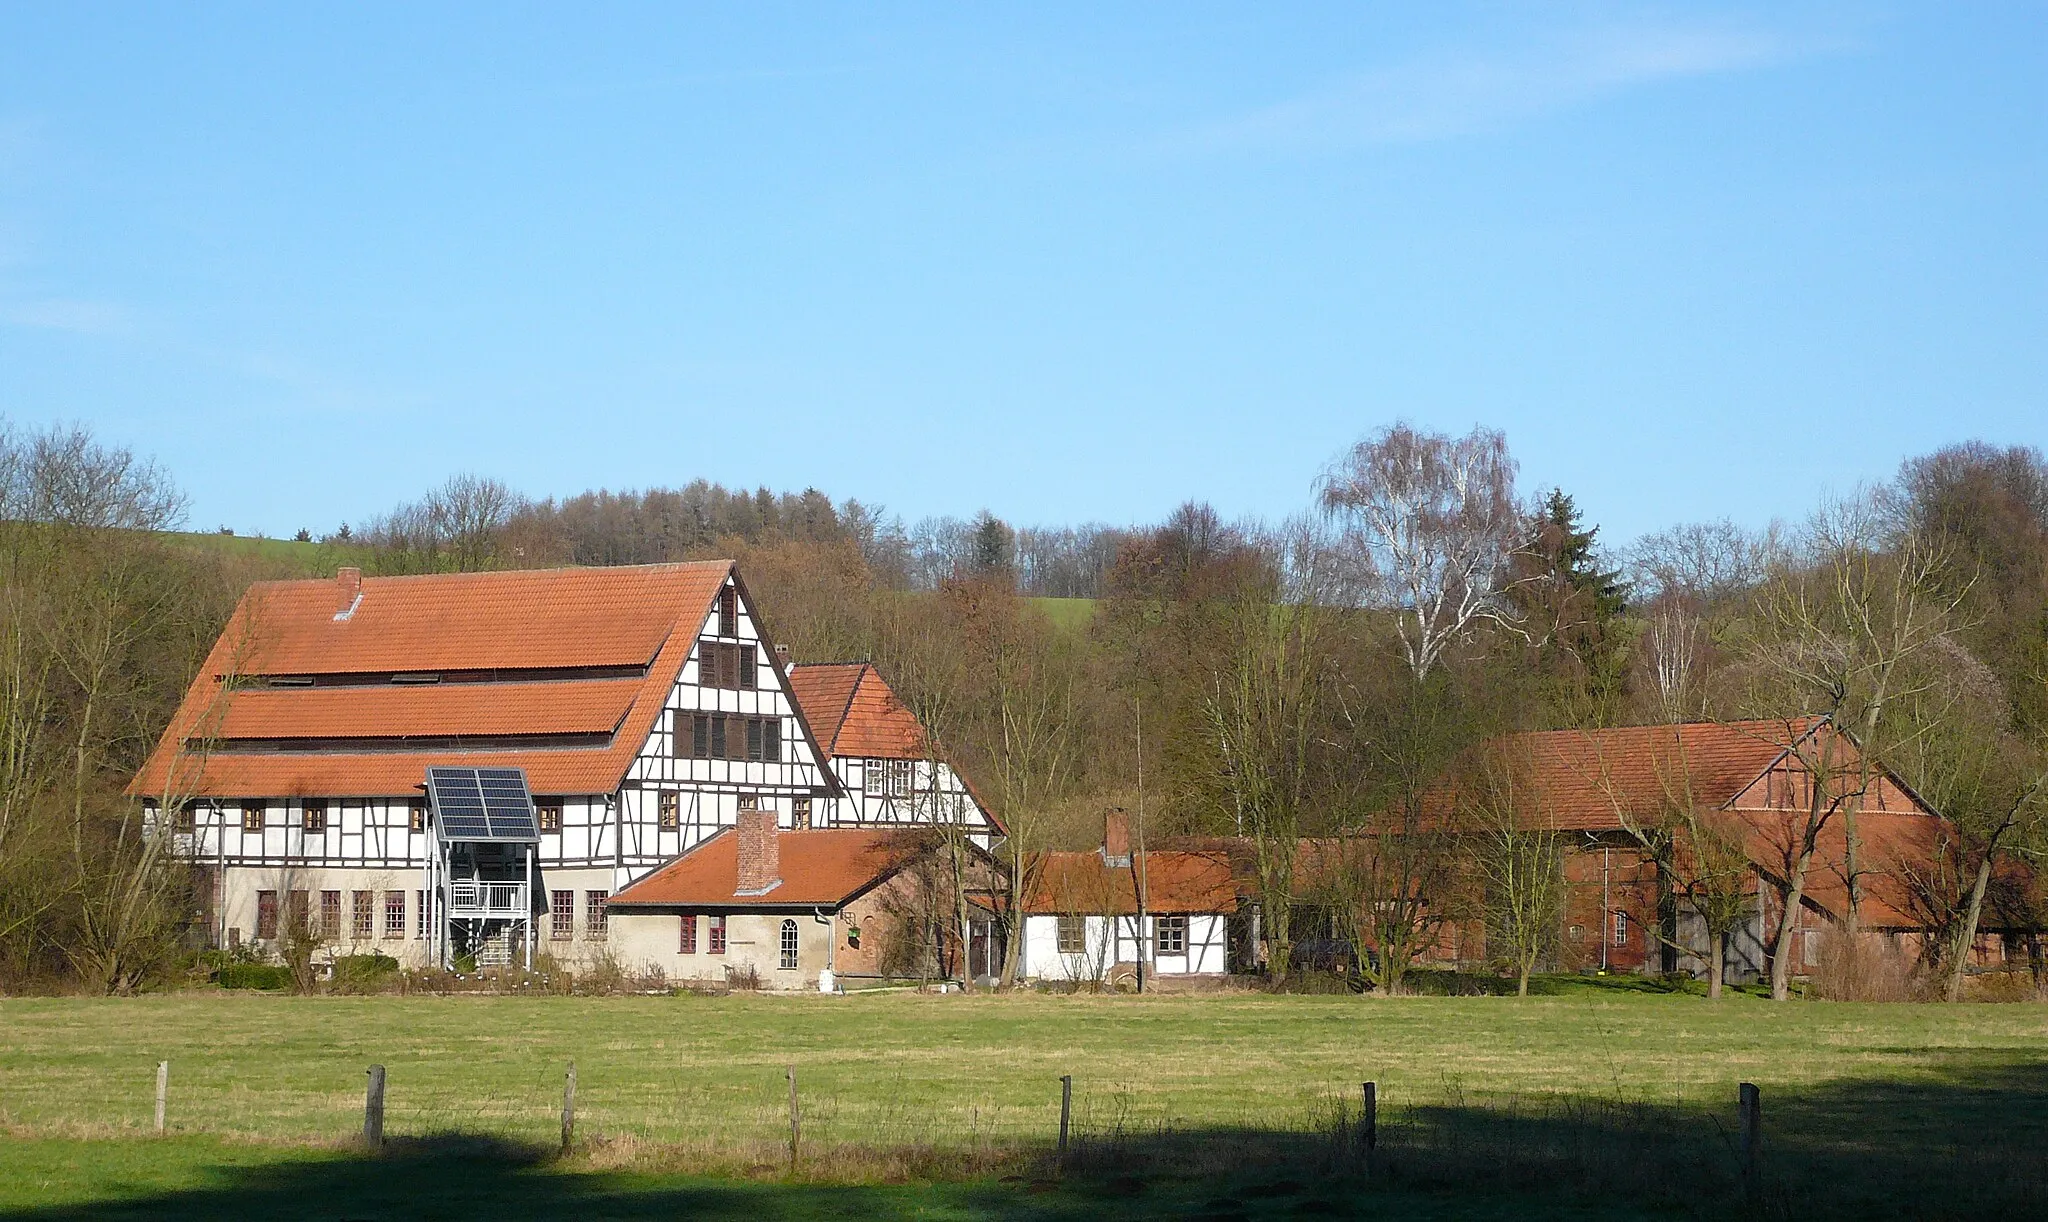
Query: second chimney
760	859
1116	838
348	589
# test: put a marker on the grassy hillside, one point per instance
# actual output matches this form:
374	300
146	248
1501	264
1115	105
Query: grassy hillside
1882	1099
308	559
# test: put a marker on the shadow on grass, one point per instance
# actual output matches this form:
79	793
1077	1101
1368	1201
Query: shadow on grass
1969	1141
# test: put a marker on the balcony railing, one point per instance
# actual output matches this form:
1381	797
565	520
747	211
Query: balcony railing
481	899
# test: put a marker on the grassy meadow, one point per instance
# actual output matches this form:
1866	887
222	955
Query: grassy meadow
1601	1100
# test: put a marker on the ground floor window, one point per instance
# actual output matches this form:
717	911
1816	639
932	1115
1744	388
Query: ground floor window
593	913
1621	929
423	914
394	914
715	934
266	915
687	943
362	917
561	915
330	914
1170	935
1073	935
788	963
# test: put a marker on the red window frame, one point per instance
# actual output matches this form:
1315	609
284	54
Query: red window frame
561	915
715	933
686	943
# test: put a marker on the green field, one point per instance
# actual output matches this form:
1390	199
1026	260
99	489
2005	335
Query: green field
1601	1101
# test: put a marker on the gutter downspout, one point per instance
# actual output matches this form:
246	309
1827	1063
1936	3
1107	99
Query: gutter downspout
1606	910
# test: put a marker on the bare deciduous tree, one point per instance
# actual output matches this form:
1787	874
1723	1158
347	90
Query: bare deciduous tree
1263	725
1510	837
1433	524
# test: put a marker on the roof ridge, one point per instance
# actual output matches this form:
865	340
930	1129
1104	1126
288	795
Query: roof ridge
846	710
485	574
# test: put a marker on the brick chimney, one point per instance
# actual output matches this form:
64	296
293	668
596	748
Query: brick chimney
1116	838
348	591
760	859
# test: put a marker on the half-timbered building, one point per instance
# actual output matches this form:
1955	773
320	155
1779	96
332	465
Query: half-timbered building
1095	917
644	705
887	768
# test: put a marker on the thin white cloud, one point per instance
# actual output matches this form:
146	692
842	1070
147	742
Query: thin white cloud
1448	95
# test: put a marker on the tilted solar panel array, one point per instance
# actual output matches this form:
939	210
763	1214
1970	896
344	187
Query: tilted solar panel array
482	804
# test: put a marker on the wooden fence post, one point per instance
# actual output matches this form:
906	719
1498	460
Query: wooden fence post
795	1119
373	1109
1369	1122
569	1108
163	1086
1066	1113
1752	1138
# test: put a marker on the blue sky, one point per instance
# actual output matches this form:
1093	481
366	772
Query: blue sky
1068	264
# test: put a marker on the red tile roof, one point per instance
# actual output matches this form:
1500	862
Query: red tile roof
1175	881
820	867
855	713
642	616
1587	779
587	707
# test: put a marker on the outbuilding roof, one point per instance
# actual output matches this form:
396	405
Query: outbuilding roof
855	712
819	867
339	689
1176	881
1596	780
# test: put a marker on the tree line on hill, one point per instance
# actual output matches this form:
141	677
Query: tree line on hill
1315	678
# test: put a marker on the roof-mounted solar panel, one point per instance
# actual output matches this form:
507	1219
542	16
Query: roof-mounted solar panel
482	804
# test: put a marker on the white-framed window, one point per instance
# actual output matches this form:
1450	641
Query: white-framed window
887	778
1621	928
1170	935
788	963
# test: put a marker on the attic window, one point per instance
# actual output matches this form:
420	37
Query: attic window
416	676
728	611
289	681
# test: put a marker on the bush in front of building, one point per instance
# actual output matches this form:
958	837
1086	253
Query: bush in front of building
370	973
269	977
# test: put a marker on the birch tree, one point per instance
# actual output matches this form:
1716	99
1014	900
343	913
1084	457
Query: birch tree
1432	524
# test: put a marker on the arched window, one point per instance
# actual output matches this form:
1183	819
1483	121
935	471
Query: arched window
789	946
